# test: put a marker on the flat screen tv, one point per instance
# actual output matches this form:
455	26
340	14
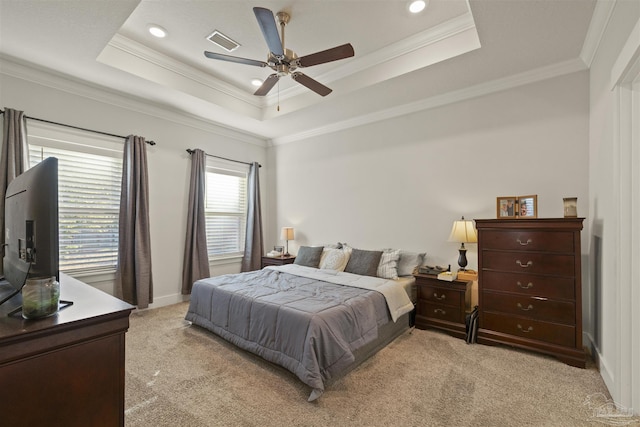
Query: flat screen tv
31	226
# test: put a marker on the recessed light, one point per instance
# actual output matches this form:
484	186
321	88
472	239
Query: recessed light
157	31
417	6
256	82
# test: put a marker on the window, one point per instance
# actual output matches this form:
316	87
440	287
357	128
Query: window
89	178
225	210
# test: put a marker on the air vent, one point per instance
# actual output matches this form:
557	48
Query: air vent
223	41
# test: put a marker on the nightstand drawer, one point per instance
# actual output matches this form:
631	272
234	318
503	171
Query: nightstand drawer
529	263
439	311
563	335
530	284
529	240
533	307
439	295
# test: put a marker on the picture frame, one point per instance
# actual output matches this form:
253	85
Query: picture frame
517	207
507	207
528	206
279	249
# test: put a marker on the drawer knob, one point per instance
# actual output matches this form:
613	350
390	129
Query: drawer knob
441	297
527	286
439	311
528	264
529	329
524	243
530	307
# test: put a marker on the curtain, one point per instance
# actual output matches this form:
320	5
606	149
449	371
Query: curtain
253	245
13	160
134	282
196	258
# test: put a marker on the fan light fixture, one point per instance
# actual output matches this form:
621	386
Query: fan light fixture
157	31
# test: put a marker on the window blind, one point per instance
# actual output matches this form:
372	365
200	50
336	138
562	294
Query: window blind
89	179
225	212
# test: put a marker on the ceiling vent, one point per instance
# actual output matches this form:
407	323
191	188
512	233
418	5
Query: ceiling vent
223	41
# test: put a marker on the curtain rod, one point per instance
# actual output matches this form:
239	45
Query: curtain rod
190	151
79	128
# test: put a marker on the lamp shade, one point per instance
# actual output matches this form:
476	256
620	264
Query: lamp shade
286	233
463	231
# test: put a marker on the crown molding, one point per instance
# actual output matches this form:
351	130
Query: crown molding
597	26
358	64
521	79
150	56
49	78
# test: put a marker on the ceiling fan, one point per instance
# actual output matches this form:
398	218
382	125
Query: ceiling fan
284	61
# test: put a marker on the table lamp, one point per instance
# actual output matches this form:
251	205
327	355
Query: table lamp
287	234
463	231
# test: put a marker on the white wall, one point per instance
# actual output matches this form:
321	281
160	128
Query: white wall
607	244
71	103
402	182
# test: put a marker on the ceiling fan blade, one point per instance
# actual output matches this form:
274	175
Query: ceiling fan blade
230	58
333	54
269	30
269	83
312	84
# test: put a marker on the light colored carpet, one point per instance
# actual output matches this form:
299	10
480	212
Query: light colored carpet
182	375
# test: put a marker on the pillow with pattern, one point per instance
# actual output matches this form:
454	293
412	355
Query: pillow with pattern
388	267
334	259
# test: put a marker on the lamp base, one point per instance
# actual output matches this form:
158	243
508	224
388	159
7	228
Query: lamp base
462	259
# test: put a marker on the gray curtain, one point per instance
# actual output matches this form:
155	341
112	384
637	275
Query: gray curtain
14	156
253	244
134	283
196	258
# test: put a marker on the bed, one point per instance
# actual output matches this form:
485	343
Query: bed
318	323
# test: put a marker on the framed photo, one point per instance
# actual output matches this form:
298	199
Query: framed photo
528	206
507	207
279	249
515	207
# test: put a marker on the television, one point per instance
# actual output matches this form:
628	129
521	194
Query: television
31	227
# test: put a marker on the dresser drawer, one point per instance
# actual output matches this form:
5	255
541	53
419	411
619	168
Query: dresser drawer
532	263
533	307
529	284
440	311
528	240
439	295
563	335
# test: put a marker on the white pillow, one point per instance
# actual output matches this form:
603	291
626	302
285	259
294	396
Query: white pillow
334	259
388	267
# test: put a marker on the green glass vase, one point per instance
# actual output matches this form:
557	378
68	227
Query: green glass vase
40	297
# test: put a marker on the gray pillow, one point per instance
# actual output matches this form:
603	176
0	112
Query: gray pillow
364	263
409	261
309	256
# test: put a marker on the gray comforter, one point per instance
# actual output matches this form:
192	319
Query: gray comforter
308	326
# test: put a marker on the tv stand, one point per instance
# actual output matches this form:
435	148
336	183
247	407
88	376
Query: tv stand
66	369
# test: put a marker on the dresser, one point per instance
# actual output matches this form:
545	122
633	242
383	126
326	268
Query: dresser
67	369
442	305
529	285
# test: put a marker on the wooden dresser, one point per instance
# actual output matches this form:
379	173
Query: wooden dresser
67	369
529	285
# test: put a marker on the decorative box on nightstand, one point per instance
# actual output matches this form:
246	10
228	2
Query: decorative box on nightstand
281	260
442	305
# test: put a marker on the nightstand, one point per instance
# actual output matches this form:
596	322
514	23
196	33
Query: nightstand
442	305
281	260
